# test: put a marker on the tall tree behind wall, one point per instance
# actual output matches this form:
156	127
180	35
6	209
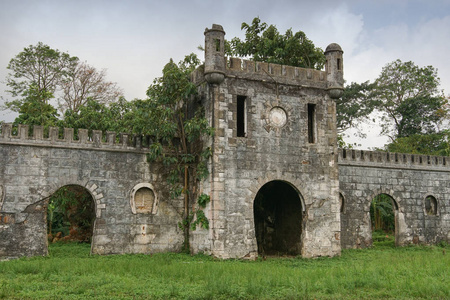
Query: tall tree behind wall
264	43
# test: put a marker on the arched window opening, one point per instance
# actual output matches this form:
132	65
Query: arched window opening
431	205
341	203
70	215
278	219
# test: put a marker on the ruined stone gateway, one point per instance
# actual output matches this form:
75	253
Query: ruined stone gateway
278	183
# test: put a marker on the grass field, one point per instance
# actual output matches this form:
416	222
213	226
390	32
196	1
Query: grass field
69	272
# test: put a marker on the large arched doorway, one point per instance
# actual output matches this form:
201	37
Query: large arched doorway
384	220
70	215
278	219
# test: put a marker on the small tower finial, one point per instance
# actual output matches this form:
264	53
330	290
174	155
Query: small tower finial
335	70
215	54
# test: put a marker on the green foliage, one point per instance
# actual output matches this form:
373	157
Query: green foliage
71	207
40	66
40	74
413	109
354	106
33	109
427	144
382	213
176	121
71	273
98	116
382	239
264	43
202	200
200	218
409	99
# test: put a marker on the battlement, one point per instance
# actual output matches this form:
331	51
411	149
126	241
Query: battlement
392	160
96	141
262	71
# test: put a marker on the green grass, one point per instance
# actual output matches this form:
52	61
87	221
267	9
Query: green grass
69	272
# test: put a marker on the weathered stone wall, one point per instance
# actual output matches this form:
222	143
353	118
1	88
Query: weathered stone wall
274	182
242	165
409	180
275	146
31	169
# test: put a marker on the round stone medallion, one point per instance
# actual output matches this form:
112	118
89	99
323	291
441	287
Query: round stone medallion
277	117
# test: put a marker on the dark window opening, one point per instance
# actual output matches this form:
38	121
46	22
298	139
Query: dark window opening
241	116
339	64
217	42
341	203
311	122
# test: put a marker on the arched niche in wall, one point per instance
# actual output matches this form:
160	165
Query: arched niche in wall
143	199
1	195
341	203
431	206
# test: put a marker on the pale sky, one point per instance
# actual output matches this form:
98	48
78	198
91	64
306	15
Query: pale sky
134	39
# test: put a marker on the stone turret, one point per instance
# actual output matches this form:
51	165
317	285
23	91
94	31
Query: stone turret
215	54
335	70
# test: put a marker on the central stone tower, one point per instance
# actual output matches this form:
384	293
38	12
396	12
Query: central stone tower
273	175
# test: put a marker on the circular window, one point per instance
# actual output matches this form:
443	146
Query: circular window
277	117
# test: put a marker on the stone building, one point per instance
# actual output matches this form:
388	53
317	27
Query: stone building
274	176
278	183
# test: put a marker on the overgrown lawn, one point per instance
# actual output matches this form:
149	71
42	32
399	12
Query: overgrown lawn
69	272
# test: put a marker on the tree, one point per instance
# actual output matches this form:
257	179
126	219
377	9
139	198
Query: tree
354	106
264	43
178	126
99	116
38	67
86	83
409	99
49	73
428	144
33	109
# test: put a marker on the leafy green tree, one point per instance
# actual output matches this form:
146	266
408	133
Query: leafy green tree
94	115
428	144
172	116
33	109
49	74
409	99
41	68
264	42
354	106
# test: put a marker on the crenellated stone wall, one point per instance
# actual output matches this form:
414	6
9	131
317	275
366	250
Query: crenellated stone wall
33	168
277	181
267	72
66	139
408	179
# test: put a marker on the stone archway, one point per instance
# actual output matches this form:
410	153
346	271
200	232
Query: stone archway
71	214
278	214
384	216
